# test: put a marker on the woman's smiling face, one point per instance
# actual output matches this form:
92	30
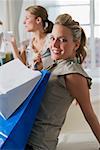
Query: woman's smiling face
62	45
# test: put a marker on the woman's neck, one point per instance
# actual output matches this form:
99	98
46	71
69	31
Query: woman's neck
38	41
39	35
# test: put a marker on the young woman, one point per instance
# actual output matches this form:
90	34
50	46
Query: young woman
36	21
68	82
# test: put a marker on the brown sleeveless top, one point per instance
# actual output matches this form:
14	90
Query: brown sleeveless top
55	105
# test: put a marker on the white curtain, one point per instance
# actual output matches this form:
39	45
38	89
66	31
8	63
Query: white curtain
13	8
9	14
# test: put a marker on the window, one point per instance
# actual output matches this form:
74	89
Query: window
97	12
54	11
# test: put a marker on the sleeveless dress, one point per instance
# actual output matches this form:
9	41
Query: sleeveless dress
55	104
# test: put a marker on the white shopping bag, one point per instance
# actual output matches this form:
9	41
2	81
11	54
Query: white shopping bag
16	83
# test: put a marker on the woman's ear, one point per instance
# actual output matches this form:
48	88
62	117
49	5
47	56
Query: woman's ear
38	20
77	44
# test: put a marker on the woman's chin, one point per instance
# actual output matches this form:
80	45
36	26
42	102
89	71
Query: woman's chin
55	58
27	30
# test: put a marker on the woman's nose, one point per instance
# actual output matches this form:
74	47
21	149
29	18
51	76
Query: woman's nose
55	43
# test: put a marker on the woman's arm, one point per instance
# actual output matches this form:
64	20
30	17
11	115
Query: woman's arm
16	53
78	87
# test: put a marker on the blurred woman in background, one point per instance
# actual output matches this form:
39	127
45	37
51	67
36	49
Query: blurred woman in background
37	22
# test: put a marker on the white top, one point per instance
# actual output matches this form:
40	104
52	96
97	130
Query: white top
45	53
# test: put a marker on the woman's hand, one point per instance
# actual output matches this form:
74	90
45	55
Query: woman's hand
37	58
38	65
15	49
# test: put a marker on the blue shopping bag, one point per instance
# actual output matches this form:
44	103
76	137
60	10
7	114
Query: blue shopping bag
15	131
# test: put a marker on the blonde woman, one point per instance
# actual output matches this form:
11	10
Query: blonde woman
68	81
37	22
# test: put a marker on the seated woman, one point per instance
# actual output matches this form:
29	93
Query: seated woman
68	81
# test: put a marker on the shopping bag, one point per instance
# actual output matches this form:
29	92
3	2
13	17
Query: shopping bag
14	132
16	82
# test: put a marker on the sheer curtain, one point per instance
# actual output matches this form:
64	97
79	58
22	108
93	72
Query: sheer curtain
13	13
10	13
